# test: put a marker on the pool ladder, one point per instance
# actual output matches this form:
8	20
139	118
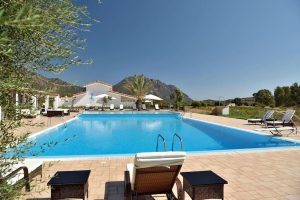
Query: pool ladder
161	138
64	122
179	139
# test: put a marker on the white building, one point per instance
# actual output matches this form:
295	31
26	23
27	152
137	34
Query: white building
97	88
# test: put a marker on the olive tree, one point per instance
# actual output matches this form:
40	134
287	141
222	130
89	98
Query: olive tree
35	35
264	97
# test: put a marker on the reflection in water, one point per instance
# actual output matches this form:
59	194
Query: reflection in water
153	125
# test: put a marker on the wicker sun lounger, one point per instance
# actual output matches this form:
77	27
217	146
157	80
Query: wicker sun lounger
154	173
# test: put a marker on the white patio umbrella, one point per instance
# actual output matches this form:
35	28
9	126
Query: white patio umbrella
152	97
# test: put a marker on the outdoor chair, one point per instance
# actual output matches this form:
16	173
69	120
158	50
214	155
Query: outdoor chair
121	107
91	108
144	107
55	113
134	107
112	107
156	107
154	173
23	171
285	121
27	113
266	117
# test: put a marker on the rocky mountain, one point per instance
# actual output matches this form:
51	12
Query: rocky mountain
63	88
55	85
159	88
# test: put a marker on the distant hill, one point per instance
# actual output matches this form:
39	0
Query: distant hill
159	88
63	88
55	85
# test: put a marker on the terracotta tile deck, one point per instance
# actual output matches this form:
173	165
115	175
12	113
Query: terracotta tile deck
251	175
240	123
40	123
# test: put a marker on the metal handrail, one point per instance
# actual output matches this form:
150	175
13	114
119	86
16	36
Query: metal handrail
180	139
163	139
64	121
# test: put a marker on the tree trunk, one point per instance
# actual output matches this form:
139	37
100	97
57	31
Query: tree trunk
139	104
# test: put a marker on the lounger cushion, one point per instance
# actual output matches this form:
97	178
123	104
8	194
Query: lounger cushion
254	120
286	128
155	159
130	168
31	164
157	107
152	159
275	122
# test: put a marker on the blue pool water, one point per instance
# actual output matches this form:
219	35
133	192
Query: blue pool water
111	134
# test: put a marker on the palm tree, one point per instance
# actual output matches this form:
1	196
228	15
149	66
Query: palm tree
177	98
139	88
105	101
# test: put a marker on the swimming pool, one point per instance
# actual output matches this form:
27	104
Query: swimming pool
126	133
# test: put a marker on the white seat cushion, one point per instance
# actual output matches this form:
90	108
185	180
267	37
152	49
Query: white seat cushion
286	128
31	164
130	168
154	159
275	122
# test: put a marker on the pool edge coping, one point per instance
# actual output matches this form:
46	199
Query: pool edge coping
191	153
33	135
247	130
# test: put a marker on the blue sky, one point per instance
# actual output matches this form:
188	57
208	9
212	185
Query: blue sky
208	48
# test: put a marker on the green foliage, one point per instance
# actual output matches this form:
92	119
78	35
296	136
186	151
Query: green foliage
287	96
105	101
247	112
237	101
35	32
139	88
177	98
282	96
195	104
264	97
34	35
295	93
202	110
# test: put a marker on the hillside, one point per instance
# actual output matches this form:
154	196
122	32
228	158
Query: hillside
63	88
159	88
54	85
